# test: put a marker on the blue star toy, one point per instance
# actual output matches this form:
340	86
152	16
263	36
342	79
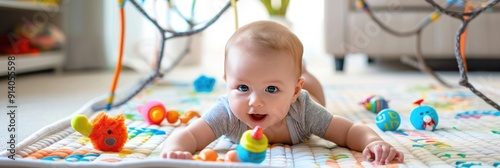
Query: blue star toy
204	84
424	117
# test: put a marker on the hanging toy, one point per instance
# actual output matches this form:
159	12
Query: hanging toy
375	104
106	133
424	117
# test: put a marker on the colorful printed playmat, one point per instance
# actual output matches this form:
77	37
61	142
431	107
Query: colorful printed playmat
468	133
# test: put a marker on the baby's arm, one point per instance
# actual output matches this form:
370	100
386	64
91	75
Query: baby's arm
361	138
182	144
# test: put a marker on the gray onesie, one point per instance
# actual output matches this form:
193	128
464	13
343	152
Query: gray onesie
304	118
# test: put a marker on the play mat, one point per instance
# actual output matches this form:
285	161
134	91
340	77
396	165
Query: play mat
468	133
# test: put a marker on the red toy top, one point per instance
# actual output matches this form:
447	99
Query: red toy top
418	102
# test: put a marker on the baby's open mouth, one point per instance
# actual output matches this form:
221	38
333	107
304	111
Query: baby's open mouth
257	117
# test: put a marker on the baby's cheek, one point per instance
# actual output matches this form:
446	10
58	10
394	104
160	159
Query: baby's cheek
281	112
238	106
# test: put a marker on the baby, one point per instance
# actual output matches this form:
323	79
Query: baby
268	86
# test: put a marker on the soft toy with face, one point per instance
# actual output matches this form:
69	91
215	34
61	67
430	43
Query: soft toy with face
106	133
424	117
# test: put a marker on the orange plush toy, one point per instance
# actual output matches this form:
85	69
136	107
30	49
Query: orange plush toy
106	133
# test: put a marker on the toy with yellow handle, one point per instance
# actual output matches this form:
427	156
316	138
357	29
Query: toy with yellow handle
253	146
81	124
106	133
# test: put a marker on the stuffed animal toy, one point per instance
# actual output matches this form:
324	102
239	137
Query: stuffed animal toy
106	133
424	117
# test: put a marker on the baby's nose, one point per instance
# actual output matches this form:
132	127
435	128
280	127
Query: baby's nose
255	101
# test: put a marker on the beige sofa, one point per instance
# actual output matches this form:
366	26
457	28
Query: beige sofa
350	30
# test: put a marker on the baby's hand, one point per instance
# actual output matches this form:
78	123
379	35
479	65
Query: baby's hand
382	153
177	155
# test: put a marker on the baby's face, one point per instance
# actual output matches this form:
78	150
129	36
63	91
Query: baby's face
261	84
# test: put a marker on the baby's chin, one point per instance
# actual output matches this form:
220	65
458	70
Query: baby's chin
265	123
252	125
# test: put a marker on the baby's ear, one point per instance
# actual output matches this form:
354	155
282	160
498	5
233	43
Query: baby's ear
298	88
300	84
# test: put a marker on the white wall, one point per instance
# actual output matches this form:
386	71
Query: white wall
306	18
85	45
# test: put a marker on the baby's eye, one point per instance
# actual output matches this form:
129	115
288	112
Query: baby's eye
272	89
243	88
